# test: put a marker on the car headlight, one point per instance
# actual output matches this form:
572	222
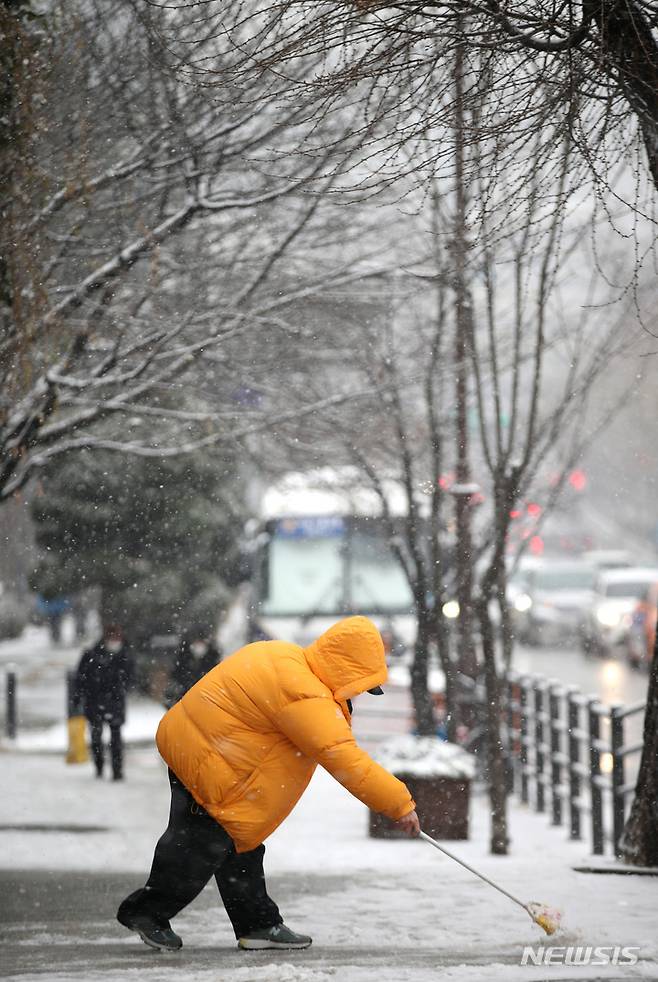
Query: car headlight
451	609
608	615
522	603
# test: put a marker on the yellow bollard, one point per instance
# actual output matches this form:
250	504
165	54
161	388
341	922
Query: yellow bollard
77	752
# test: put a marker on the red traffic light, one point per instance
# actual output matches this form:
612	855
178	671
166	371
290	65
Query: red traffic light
578	480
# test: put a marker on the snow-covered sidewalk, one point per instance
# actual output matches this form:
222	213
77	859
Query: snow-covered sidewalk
378	910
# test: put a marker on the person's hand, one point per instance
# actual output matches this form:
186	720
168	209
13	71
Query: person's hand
409	824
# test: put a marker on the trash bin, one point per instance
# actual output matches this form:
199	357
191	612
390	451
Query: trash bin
438	775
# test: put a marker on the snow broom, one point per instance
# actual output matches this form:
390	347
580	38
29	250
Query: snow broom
548	918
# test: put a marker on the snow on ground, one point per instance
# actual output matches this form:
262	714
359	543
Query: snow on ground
290	972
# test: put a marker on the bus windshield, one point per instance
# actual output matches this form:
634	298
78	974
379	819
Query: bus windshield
304	577
377	580
331	568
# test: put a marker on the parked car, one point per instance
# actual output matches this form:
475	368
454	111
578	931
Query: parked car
552	606
641	638
603	559
608	619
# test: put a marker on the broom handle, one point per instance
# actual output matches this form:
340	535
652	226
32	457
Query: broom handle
433	842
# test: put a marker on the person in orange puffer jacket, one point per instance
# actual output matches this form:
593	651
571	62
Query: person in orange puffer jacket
241	746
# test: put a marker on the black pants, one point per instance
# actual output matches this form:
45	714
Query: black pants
193	848
96	724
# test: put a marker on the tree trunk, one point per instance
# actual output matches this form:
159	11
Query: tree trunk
506	624
493	583
466	654
449	667
11	44
23	57
639	844
496	777
422	700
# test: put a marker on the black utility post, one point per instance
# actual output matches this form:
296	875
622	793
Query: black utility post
71	708
10	717
524	684
554	693
512	711
574	702
540	757
617	746
593	707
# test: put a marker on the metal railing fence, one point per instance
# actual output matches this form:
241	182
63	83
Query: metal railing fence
569	755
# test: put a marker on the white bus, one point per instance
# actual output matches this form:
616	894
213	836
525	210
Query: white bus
321	551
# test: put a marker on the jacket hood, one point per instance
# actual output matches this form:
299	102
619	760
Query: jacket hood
349	658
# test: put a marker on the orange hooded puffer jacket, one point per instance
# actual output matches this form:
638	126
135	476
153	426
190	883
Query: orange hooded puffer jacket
246	738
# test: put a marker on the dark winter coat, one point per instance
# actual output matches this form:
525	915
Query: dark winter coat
101	683
187	669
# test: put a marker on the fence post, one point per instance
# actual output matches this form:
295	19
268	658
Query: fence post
595	776
71	708
573	724
523	727
510	716
10	717
616	745
538	689
556	746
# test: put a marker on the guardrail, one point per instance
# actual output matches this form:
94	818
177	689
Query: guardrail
562	762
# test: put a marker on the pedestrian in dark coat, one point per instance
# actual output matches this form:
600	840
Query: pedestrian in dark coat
195	657
104	674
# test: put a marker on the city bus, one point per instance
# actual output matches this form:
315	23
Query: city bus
320	551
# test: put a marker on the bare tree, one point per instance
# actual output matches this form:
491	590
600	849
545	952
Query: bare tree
145	225
536	346
513	347
399	436
585	69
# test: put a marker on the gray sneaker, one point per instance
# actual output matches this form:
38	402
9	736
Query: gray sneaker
153	933
278	936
